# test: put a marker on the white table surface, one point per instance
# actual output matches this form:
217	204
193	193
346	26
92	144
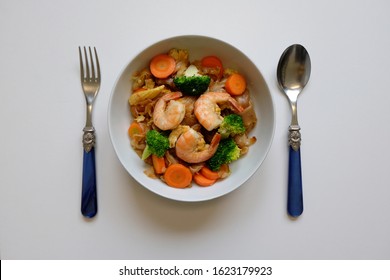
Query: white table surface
344	114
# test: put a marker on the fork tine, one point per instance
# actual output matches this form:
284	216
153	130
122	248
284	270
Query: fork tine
86	63
81	65
97	64
92	64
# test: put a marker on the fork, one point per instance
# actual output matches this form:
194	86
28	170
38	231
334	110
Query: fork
90	82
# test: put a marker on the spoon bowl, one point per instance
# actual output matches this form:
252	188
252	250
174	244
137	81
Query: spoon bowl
293	74
294	69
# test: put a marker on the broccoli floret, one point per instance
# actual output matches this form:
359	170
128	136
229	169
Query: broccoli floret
192	83
227	152
231	125
156	144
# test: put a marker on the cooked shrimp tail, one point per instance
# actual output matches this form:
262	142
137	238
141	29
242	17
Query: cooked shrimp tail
215	142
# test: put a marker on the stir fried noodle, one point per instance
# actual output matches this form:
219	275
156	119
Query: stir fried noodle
191	119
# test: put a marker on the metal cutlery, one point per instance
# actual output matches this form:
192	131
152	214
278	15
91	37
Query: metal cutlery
90	82
293	73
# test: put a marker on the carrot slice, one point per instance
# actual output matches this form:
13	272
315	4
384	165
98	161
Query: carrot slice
203	181
209	174
158	164
213	61
135	129
235	84
162	65
178	176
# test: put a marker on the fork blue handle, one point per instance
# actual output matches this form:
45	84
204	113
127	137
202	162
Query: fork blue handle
89	197
294	196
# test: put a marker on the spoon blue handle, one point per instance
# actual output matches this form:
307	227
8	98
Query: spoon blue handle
294	196
89	197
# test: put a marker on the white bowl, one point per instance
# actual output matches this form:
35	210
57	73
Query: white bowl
119	117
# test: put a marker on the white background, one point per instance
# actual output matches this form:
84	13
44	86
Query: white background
344	114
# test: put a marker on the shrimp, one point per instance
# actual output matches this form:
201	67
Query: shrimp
208	111
168	115
192	148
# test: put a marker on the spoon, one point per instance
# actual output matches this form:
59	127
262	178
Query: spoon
293	73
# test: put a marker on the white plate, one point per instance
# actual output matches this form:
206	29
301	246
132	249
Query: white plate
119	117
